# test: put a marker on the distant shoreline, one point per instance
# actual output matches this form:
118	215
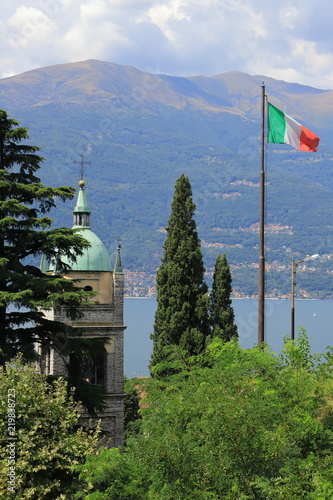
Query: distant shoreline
145	297
238	298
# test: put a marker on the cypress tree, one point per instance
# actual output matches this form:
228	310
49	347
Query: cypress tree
24	235
222	312
181	317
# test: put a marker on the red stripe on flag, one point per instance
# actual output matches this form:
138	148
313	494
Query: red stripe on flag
308	141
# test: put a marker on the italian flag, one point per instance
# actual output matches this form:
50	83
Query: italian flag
282	129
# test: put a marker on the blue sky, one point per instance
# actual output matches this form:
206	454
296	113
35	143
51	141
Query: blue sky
287	40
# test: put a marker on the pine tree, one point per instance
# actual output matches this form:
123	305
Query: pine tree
25	233
181	317
222	312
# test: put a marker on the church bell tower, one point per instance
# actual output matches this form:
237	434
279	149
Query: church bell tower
103	318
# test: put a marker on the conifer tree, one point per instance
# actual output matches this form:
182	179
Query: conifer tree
181	317
25	233
222	312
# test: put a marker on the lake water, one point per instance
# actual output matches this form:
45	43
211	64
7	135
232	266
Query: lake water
316	316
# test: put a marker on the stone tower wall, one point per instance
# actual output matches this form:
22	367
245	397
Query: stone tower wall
118	297
98	320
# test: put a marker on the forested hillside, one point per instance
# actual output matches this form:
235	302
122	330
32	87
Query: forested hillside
140	131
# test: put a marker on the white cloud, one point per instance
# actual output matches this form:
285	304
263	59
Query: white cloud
95	43
291	17
28	25
162	14
289	39
93	35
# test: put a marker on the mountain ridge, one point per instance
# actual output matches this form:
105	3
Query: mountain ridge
142	130
92	78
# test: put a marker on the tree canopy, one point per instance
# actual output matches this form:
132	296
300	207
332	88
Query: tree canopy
181	317
221	311
40	437
26	234
252	426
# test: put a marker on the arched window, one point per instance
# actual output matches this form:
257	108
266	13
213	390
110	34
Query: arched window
90	368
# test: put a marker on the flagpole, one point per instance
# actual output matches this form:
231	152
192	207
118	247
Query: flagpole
261	277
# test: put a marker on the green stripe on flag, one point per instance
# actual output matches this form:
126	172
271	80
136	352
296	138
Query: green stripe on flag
276	125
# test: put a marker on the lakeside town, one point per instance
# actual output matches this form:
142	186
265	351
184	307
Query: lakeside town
143	283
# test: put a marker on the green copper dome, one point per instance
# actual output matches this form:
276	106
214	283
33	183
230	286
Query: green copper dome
94	258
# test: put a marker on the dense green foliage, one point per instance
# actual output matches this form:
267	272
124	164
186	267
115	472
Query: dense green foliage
252	426
25	233
181	318
132	414
40	438
221	311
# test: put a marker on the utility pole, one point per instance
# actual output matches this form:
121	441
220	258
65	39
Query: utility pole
293	283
